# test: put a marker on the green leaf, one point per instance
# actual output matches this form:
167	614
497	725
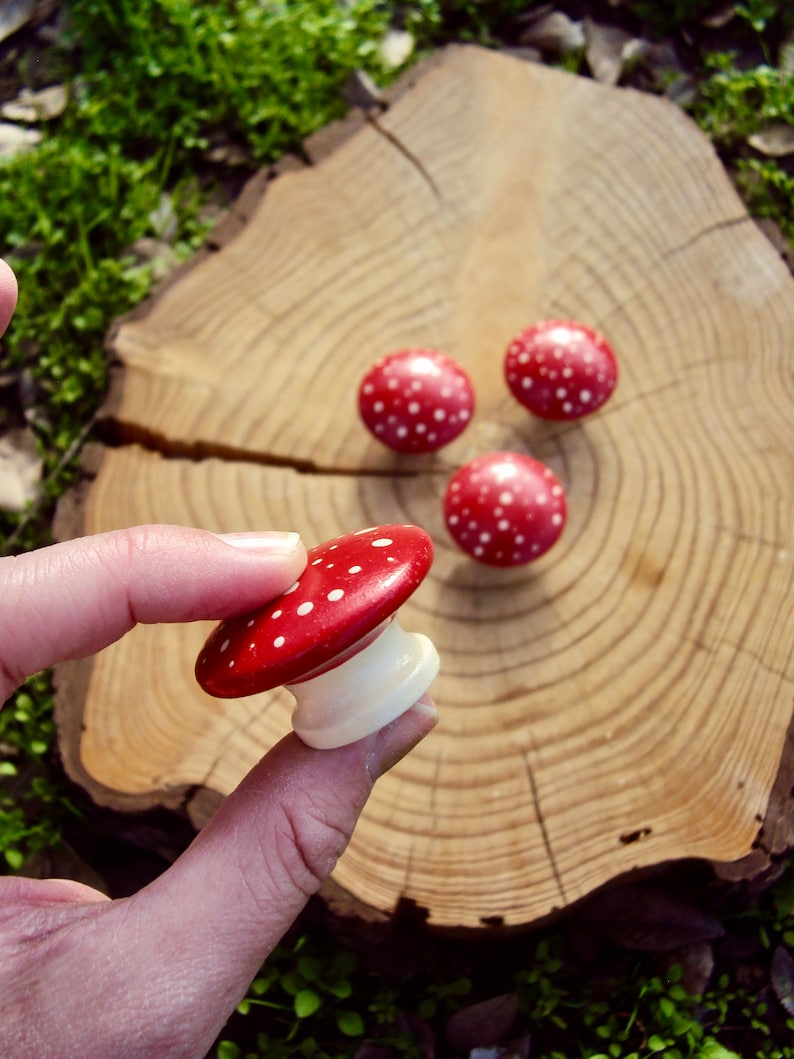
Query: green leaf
15	858
306	1003
350	1023
227	1050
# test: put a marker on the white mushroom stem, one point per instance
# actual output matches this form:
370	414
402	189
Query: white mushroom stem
366	691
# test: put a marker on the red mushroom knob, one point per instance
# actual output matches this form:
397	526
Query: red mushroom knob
416	400
559	369
333	638
505	509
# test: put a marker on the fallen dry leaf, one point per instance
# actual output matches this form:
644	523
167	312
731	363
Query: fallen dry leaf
14	14
647	919
775	140
608	49
15	140
20	469
491	1022
782	978
555	32
395	48
43	105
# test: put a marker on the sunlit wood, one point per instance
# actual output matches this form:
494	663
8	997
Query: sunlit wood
623	701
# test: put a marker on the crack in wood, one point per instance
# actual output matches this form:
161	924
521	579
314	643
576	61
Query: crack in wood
543	829
718	226
118	434
406	153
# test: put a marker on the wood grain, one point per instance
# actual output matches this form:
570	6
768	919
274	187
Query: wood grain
622	702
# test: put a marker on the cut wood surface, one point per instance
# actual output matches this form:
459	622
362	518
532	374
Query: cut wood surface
621	702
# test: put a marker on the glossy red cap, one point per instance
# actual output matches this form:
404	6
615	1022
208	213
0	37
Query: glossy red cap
416	400
505	508
351	585
560	369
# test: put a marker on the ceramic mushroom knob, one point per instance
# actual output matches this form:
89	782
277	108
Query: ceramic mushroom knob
505	509
416	400
333	638
560	369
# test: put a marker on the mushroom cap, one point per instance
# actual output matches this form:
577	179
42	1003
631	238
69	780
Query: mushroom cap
416	400
560	369
504	508
351	585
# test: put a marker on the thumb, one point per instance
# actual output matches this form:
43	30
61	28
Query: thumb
166	968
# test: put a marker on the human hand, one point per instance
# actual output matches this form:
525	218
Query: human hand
158	974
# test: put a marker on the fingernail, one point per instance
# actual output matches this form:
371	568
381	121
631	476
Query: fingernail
273	543
401	736
426	707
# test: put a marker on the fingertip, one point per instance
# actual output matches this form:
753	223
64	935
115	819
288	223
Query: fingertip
9	293
399	738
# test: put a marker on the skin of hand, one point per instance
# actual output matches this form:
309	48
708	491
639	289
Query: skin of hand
159	973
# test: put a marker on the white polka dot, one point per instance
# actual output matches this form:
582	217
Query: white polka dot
526	383
402	432
420	428
378	406
585	396
382	542
485	537
561	392
316	562
305	608
354	570
506	498
249	623
392	384
231	664
224	645
439	415
556	519
276	614
503	524
541	498
416	384
292	588
414	407
279	641
453	520
335	594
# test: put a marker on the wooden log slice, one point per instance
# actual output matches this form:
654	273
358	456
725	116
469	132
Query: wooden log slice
621	702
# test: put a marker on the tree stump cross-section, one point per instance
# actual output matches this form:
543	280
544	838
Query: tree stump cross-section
620	703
